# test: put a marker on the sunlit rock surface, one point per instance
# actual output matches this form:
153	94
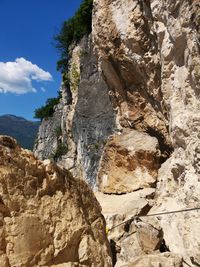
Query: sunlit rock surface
47	217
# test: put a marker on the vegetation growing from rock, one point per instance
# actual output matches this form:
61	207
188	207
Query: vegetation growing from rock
72	31
60	151
72	77
58	131
75	77
48	109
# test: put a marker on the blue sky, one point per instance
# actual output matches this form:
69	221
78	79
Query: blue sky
27	55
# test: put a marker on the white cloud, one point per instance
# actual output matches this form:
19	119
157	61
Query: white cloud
16	77
43	89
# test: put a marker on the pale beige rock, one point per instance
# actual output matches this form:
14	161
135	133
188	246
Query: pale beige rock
48	218
4	262
134	237
178	179
149	237
130	161
163	260
69	264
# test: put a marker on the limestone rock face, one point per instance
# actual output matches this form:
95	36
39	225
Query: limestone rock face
87	117
94	118
148	52
127	50
130	162
178	187
46	217
47	141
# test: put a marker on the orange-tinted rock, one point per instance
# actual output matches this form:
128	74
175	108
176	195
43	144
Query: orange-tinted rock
130	162
47	217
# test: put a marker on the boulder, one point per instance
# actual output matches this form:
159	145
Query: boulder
130	162
47	217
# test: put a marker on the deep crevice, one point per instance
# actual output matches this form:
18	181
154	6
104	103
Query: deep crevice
69	97
165	148
113	251
163	247
194	262
125	193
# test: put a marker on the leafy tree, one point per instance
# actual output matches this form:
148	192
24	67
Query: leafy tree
72	31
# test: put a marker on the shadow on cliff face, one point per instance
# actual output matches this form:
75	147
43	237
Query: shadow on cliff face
113	251
94	118
165	148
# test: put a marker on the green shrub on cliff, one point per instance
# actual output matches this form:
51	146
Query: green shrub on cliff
72	31
48	109
60	151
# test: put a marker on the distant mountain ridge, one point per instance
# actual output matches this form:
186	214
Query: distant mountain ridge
22	130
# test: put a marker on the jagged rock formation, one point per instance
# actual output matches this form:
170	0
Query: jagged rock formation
92	107
133	124
47	218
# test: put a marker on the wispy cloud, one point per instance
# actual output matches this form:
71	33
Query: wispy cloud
43	89
16	77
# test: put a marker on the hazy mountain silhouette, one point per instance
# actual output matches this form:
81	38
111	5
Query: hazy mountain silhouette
21	129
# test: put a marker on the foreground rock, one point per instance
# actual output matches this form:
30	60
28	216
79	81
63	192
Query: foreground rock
47	218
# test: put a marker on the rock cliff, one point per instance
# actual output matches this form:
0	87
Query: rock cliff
87	116
132	125
47	218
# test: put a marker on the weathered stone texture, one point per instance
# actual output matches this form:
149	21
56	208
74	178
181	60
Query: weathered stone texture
149	55
47	139
86	120
47	217
140	77
165	260
130	162
94	118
